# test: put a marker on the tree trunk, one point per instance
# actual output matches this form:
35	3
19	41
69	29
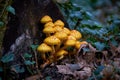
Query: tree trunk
24	29
27	19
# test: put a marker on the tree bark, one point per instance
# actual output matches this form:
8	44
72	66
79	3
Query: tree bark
27	17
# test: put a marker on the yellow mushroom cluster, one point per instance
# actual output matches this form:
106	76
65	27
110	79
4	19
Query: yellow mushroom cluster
58	39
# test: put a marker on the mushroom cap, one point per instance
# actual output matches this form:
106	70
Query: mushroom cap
49	24
70	42
44	48
52	40
46	19
48	30
66	30
76	34
61	35
59	23
71	37
78	44
60	54
58	28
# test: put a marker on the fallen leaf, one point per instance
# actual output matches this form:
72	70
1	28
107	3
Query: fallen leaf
64	69
78	70
34	77
74	67
91	48
118	49
84	74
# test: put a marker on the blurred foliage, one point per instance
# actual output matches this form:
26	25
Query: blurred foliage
97	20
5	7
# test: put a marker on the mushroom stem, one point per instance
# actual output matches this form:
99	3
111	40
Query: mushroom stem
43	56
53	48
64	47
45	64
58	47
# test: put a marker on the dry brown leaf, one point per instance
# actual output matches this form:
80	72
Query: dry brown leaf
92	48
118	49
85	73
116	62
34	77
64	69
72	69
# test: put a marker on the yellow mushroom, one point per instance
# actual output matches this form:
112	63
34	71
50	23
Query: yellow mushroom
48	31
71	37
59	23
52	40
69	43
78	44
43	48
66	30
49	24
58	28
60	54
76	34
46	19
62	36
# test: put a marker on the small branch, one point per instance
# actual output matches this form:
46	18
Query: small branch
36	59
27	66
77	24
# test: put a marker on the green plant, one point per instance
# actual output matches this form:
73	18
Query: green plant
81	16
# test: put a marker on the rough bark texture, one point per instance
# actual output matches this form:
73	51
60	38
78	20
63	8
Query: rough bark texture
27	17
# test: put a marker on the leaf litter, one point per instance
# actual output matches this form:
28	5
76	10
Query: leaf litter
88	64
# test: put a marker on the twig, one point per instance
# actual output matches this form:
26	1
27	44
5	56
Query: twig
26	66
77	24
36	60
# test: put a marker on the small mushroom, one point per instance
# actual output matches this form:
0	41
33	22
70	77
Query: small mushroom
48	31
76	34
78	44
66	30
71	37
58	28
62	36
52	40
69	43
49	24
46	19
44	48
59	23
60	54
